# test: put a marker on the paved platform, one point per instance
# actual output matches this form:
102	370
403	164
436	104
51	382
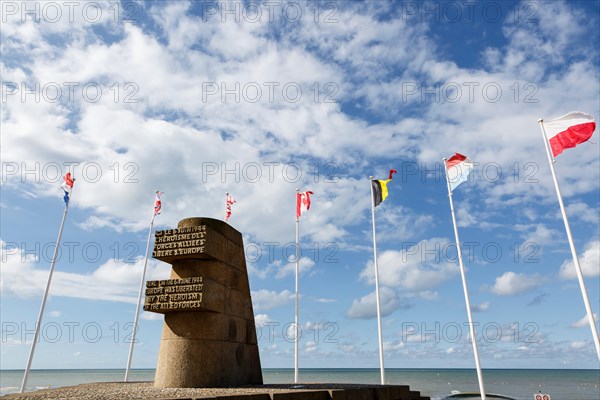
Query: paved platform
146	391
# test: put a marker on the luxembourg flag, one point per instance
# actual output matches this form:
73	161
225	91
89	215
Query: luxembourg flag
569	130
302	203
458	169
67	186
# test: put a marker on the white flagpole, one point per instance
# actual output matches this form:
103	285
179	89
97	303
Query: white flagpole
466	291
137	310
377	287
584	294
43	306
297	273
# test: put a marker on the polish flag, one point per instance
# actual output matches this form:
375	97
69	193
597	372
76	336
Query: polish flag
569	130
459	168
302	203
157	203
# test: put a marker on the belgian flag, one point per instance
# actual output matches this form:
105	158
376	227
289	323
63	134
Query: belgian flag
380	190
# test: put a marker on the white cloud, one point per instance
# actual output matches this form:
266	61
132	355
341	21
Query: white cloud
267	299
415	269
583	322
366	308
538	235
261	319
582	212
305	265
113	280
480	307
325	300
54	313
311	346
589	262
511	283
579	344
150	316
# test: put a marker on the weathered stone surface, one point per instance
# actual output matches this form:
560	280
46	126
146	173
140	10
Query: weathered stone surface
209	334
302	395
146	390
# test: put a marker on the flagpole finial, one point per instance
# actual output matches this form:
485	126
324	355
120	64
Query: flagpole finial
371	177
297	190
540	120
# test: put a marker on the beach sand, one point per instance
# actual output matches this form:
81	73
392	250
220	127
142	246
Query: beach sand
146	390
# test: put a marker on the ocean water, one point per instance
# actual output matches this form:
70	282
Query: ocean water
522	384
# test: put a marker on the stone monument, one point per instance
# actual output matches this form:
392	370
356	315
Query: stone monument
209	336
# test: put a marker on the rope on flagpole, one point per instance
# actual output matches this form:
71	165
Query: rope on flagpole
466	291
584	294
379	332
46	291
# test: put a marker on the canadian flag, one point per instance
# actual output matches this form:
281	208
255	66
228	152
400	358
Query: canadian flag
569	130
157	203
228	202
302	203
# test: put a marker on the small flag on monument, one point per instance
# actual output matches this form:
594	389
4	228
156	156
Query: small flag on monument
459	168
380	191
569	130
228	202
67	186
302	202
157	203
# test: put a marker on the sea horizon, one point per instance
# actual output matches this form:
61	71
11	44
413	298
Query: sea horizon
319	368
519	383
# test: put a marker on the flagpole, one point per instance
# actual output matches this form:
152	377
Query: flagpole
137	310
43	306
584	294
297	273
466	291
381	367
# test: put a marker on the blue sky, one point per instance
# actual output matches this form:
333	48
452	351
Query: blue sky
197	99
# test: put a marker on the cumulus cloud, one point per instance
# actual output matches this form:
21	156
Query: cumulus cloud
261	319
589	262
267	299
366	308
583	322
305	265
113	280
511	283
421	267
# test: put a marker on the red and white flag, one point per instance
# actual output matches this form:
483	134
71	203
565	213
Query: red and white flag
569	130
228	202
459	168
302	203
157	203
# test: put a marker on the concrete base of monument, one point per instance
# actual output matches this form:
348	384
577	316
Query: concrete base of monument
303	391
